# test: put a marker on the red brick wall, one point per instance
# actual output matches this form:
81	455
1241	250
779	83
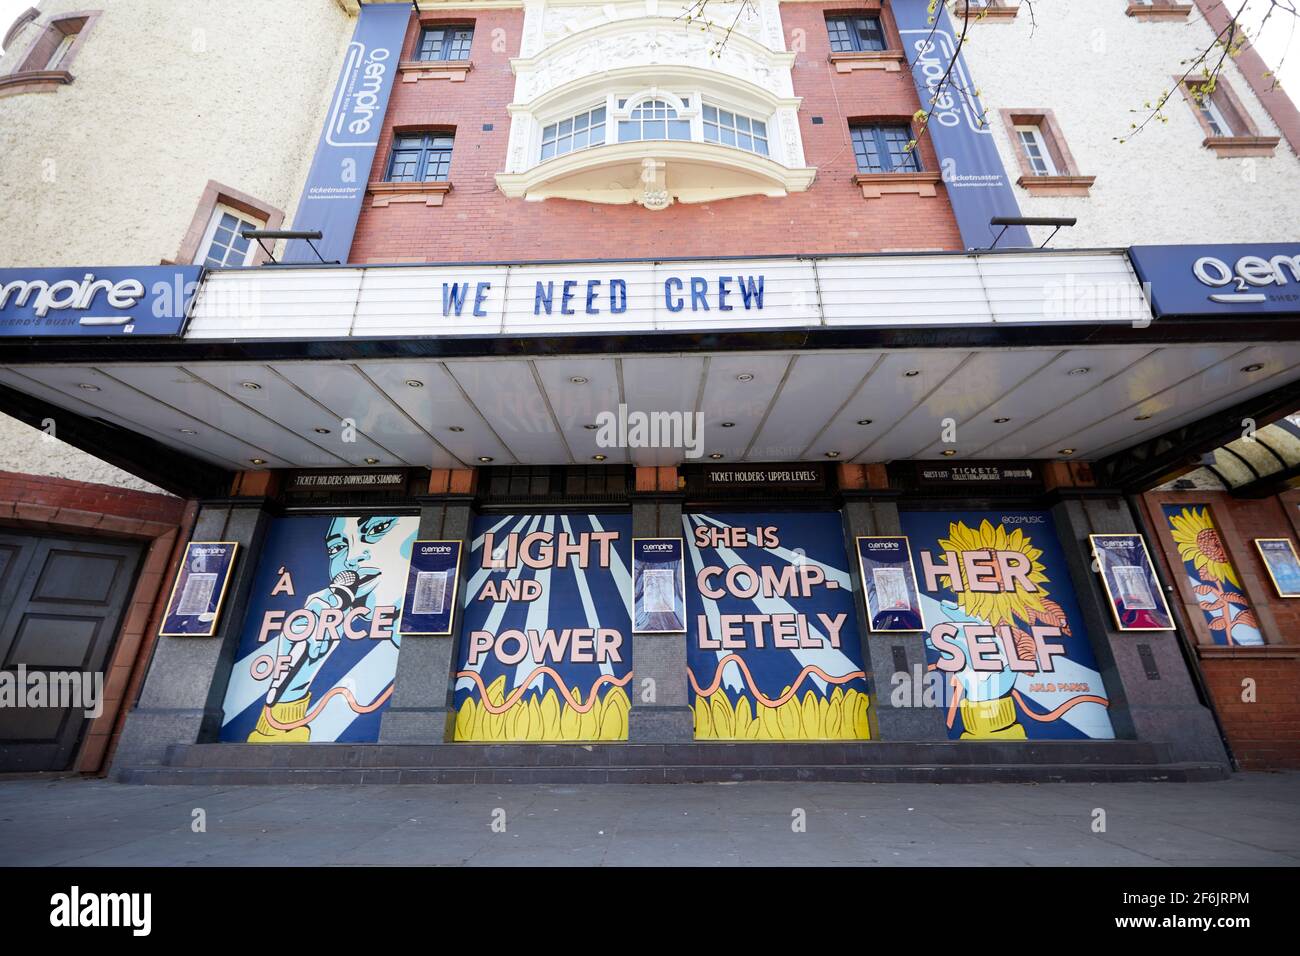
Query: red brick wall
63	507
1264	733
476	222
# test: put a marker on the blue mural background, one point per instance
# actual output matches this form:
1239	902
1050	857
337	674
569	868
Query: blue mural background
732	710
1012	704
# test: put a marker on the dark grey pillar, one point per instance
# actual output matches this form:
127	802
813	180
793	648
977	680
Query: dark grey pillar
181	700
889	658
424	688
660	710
1152	696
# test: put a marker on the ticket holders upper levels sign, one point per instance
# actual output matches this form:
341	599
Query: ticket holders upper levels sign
545	646
773	651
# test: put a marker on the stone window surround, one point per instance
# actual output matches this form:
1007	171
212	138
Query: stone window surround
890	59
1247	141
991	10
384	193
215	193
29	77
412	70
1159	10
923	183
1068	181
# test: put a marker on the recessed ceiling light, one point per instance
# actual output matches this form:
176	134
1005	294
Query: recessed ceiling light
578	380
832	454
455	428
949	452
1000	421
321	431
728	424
1068	451
251	386
716	455
414	383
88	387
1081	370
597	457
188	431
372	461
1141	418
591	428
485	458
864	421
1252	368
912	373
258	461
745	377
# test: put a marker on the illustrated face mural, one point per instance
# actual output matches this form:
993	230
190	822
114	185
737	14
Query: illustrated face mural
1005	631
772	644
319	649
1211	576
545	647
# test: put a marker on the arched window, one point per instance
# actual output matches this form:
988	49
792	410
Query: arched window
653	119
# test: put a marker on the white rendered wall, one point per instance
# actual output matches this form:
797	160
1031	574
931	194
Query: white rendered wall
1091	64
109	169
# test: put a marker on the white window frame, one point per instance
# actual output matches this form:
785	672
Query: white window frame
1215	116
1035	133
61	51
214	221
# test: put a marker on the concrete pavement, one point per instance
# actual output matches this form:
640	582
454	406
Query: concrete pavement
1247	820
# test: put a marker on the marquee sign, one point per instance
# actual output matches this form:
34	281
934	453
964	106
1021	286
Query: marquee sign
1235	279
96	301
739	294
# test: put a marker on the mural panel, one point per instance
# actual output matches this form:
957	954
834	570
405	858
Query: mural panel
319	649
1005	631
773	651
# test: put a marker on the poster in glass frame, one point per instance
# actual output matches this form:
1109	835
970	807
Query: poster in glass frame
1133	592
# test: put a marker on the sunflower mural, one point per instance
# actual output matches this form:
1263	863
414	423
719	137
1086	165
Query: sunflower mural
1211	576
545	647
1005	628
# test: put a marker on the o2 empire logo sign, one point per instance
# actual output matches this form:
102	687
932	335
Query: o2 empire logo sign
144	300
1249	273
1260	278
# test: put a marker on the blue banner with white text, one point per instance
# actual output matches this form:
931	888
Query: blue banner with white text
973	174
336	186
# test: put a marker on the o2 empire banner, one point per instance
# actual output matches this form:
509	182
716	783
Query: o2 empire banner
889	583
1005	632
772	648
336	185
546	639
973	174
319	650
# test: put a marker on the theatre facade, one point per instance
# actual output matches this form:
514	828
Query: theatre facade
634	399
